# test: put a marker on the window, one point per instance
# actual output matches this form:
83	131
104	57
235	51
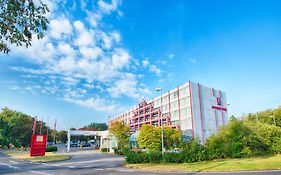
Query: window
175	94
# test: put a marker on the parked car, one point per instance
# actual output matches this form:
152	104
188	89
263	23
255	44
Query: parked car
87	145
74	145
50	143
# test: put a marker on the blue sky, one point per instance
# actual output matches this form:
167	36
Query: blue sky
100	57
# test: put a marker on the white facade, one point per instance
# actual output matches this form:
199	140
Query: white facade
198	111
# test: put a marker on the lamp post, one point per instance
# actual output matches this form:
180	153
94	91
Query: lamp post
162	131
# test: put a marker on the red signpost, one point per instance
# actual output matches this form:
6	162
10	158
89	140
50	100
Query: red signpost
38	145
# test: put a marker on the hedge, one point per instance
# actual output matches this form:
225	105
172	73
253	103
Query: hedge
51	149
104	149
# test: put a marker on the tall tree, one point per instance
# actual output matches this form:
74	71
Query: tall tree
62	136
97	126
15	128
20	20
121	132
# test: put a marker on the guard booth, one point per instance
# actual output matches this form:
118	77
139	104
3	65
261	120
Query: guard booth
104	138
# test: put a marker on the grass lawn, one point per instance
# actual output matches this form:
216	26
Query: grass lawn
49	157
243	164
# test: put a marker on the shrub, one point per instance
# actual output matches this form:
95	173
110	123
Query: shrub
118	151
193	152
132	157
173	157
154	156
139	157
51	148
104	149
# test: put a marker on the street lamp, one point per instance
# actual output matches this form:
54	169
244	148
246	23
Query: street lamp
162	131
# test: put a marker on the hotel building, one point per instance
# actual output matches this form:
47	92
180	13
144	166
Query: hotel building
198	111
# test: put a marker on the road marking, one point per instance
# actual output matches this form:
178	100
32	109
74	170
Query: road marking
121	169
71	166
14	162
99	169
90	161
10	166
38	172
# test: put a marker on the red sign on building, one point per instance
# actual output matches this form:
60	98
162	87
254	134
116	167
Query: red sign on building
38	145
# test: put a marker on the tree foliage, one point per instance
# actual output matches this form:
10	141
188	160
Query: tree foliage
20	20
242	138
172	137
62	136
150	138
16	129
97	126
267	117
121	132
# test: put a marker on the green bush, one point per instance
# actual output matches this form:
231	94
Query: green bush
133	157
51	148
173	157
139	157
242	138
118	151
104	149
153	156
193	151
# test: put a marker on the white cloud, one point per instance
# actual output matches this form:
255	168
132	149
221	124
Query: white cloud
120	58
31	71
171	55
91	53
40	52
79	26
108	7
126	85
155	70
58	27
145	91
120	14
66	49
192	60
107	41
94	103
116	36
74	52
93	18
145	63
85	38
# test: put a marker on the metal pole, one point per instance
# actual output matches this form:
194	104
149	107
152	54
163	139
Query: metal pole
162	131
68	140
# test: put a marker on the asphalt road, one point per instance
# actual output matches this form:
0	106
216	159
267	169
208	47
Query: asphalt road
89	162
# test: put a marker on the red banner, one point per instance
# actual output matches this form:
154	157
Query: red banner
38	145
